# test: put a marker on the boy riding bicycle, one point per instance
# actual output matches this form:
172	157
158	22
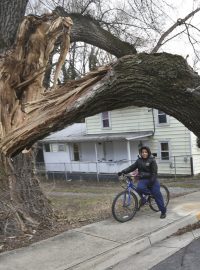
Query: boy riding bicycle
148	183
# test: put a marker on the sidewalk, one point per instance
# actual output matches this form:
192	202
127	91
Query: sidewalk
101	245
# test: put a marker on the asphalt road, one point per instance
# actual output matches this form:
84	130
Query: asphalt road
187	258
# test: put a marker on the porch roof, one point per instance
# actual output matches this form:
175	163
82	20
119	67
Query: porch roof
77	133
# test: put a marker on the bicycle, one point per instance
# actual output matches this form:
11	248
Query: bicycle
126	203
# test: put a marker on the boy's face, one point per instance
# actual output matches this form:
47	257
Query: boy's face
144	153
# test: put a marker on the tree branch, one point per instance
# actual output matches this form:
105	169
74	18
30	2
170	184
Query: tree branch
178	23
161	81
87	29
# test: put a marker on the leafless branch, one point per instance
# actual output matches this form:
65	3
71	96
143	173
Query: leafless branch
190	40
86	6
181	32
178	23
191	25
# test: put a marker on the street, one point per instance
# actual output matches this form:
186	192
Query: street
185	259
166	255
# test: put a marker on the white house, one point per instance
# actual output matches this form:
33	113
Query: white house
108	142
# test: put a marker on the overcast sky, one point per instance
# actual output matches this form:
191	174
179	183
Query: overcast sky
181	45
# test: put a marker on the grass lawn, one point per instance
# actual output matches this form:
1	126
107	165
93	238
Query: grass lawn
86	202
82	201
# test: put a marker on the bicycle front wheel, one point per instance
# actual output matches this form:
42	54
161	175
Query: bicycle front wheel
124	206
165	193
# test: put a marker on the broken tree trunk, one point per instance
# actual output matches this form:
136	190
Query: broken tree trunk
23	206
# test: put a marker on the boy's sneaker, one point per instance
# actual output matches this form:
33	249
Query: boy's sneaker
163	215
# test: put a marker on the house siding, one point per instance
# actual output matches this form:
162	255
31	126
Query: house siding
113	156
178	137
134	119
131	119
52	159
195	153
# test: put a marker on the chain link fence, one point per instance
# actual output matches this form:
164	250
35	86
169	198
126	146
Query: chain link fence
176	167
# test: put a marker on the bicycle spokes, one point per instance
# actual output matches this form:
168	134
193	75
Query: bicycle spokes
126	200
124	206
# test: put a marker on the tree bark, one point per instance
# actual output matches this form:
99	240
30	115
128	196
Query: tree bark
88	30
23	206
161	81
11	15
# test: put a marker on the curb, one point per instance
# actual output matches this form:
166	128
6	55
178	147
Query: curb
112	257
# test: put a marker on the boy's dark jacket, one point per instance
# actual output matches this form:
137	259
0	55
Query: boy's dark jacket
147	168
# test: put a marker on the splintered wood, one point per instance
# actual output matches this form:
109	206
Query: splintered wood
23	68
28	110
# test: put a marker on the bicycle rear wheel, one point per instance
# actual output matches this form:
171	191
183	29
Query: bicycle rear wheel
124	206
165	193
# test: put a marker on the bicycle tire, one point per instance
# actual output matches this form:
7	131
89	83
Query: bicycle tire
166	196
121	210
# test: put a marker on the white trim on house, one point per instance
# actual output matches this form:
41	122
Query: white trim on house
81	136
139	137
109	120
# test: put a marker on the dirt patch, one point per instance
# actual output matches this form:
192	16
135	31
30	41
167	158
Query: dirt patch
188	228
74	204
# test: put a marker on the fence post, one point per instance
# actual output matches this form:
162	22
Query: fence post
191	166
46	174
97	169
175	166
54	177
65	171
70	167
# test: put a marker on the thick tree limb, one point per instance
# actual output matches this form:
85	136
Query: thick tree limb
162	81
88	30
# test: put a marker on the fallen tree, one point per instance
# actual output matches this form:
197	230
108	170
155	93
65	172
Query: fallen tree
29	111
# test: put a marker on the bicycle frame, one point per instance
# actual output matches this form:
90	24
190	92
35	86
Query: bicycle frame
130	186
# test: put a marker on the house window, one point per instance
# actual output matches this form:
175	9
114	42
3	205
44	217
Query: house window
162	117
164	150
76	152
47	147
61	147
54	147
105	120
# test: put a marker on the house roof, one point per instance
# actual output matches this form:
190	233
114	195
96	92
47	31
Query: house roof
77	133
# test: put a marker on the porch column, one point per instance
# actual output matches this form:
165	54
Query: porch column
96	155
70	156
129	151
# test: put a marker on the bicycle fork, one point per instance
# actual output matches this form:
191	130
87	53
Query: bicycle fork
127	197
